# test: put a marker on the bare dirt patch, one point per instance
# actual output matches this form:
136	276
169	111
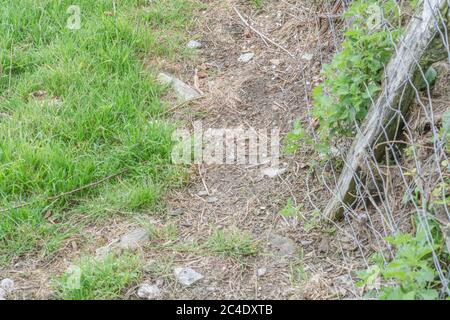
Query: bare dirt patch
270	90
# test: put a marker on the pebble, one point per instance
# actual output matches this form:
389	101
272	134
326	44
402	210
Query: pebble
183	91
261	272
193	44
203	193
187	276
7	284
212	199
284	245
246	57
308	56
177	212
149	292
275	62
134	239
273	172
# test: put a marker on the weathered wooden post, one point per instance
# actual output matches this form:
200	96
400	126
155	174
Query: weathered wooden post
417	49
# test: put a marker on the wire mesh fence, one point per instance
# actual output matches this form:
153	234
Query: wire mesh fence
401	184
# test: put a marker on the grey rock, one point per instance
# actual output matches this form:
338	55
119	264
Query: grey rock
183	91
212	199
149	292
261	272
134	239
187	276
7	285
193	44
273	172
246	57
284	245
308	56
203	193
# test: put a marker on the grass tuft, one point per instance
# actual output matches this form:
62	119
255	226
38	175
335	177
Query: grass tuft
100	279
232	243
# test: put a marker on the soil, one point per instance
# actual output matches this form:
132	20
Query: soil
271	90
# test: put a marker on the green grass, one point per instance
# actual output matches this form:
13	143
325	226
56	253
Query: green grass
226	243
166	234
258	4
100	279
100	114
232	243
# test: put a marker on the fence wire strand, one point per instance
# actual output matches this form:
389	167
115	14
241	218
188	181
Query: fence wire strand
381	188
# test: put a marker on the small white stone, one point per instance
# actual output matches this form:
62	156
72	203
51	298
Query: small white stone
275	62
308	56
194	44
7	284
212	199
246	57
183	91
187	276
203	193
149	292
273	172
261	272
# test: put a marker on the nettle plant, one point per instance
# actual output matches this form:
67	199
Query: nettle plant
410	274
353	78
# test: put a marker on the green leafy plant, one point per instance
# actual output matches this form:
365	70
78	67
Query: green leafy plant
290	210
411	274
353	78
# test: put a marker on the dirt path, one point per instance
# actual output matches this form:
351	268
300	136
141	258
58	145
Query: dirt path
271	90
